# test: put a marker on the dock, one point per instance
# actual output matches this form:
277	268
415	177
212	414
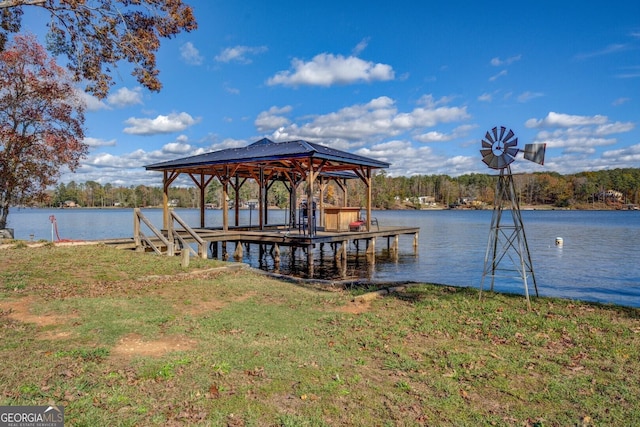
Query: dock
218	243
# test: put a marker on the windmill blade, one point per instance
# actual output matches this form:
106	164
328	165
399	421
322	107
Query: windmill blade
488	137
503	161
509	136
495	133
491	161
502	131
486	144
511	143
486	152
487	157
535	152
512	151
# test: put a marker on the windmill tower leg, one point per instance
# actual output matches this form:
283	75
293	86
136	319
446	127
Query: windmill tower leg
507	240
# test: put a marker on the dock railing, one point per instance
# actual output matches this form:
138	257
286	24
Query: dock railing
142	240
169	240
202	246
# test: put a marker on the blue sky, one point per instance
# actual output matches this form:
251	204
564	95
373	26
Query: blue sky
413	83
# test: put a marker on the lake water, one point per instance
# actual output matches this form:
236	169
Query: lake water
598	261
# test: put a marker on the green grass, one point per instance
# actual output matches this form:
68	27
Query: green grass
259	352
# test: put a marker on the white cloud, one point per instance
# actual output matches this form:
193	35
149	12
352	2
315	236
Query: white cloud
101	160
327	69
616	127
485	97
528	96
239	54
190	54
272	119
95	142
377	119
360	47
497	76
565	120
497	62
177	148
407	160
612	48
90	102
629	154
629	73
620	101
230	89
436	136
125	97
174	122
577	135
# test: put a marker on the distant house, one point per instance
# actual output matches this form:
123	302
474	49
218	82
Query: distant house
173	203
611	195
426	200
70	204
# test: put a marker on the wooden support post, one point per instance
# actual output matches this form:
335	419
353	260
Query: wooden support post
237	255
276	253
225	254
213	247
341	253
310	261
395	244
276	258
136	230
371	250
371	246
184	259
415	243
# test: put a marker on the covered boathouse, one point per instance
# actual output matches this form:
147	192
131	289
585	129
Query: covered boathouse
293	163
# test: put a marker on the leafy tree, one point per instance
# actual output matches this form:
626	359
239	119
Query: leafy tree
95	35
41	123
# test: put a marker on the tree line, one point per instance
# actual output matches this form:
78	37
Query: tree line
597	189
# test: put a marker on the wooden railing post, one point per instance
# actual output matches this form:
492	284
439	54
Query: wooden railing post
136	229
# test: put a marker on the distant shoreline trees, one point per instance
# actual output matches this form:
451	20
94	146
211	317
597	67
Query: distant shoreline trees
607	189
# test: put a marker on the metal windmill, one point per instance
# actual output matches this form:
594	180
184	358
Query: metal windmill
507	239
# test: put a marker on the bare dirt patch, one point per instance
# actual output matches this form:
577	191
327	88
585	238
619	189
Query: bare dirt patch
356	307
21	311
134	345
185	303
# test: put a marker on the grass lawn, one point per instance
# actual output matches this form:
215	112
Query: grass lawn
132	339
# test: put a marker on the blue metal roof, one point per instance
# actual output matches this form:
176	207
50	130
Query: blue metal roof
266	150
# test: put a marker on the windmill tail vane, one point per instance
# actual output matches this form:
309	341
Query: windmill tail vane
535	153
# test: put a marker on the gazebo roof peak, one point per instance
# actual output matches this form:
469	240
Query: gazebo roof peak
266	150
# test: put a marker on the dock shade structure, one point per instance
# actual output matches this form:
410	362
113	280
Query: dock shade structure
266	161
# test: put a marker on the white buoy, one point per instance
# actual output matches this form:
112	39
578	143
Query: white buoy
559	242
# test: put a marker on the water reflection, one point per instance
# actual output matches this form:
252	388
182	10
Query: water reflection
323	262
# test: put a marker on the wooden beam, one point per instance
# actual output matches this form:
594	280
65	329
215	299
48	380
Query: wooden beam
201	183
167	179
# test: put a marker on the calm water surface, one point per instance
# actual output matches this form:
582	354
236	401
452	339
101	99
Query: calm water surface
599	260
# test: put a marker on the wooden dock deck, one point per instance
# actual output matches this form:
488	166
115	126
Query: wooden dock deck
277	236
217	242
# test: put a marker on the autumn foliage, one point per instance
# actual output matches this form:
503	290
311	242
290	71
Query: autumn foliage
41	123
96	35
